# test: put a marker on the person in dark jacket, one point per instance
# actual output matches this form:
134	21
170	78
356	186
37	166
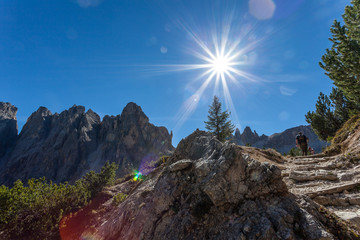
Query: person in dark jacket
302	143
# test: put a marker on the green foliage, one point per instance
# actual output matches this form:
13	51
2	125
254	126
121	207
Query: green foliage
342	134
119	198
342	61
295	152
342	64
330	114
218	123
94	182
34	211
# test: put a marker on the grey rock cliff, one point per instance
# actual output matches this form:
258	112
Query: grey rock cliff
282	142
8	128
206	190
63	147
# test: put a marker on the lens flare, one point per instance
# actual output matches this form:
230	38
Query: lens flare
137	176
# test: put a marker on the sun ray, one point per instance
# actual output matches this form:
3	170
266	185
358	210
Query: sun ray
191	103
201	56
229	103
245	75
223	62
194	36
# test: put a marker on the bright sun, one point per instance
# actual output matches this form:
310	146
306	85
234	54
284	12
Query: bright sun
220	64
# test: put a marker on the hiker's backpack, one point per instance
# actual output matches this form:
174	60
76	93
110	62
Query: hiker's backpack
301	139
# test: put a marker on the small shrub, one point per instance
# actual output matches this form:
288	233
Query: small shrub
294	152
119	198
342	134
124	179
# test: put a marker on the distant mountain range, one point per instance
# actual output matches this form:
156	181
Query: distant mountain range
282	142
63	147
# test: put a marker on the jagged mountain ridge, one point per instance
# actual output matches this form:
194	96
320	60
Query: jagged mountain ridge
63	147
282	142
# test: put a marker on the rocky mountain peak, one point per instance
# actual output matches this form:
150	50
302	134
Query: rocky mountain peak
247	130
237	132
92	117
8	128
282	142
248	136
7	111
36	120
77	109
63	147
42	111
133	113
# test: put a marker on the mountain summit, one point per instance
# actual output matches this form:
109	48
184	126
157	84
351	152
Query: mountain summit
63	147
282	142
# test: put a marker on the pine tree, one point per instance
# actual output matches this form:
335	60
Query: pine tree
342	61
342	65
218	122
330	114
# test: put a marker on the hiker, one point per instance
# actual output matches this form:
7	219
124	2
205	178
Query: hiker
302	143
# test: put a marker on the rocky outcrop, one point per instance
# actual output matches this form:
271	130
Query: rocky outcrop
331	180
8	128
347	139
282	142
63	147
206	190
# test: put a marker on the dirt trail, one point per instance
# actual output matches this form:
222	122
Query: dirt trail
331	181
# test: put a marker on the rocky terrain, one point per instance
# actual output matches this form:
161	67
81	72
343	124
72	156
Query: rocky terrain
64	146
208	190
332	180
282	142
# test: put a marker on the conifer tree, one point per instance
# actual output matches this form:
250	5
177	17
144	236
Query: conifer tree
342	64
218	122
330	114
342	61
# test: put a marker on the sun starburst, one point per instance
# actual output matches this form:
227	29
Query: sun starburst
222	60
220	65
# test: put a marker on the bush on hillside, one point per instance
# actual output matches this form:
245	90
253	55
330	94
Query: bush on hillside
295	152
342	134
34	211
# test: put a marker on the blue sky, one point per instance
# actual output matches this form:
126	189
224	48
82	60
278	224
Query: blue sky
105	53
